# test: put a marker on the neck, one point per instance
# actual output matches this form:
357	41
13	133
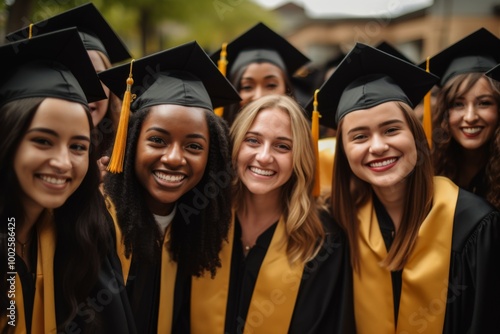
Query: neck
393	201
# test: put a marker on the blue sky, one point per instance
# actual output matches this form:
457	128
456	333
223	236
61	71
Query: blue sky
359	8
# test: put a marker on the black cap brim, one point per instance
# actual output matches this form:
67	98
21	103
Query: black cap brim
63	53
88	20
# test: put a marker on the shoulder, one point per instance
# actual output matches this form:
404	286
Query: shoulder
473	215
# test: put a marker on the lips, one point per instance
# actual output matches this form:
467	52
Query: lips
473	131
263	172
54	182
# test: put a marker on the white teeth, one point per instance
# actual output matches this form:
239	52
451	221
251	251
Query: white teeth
52	180
471	130
382	163
169	177
262	171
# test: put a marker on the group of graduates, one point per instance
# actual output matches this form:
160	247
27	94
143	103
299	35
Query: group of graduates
185	193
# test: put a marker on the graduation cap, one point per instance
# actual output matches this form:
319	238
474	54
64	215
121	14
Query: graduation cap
494	73
477	52
183	75
261	44
52	65
388	48
95	32
366	78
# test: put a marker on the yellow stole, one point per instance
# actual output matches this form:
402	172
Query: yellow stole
425	276
168	273
273	298
326	150
44	309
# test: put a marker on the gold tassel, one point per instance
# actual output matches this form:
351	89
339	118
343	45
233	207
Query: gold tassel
427	116
315	137
118	155
30	31
222	65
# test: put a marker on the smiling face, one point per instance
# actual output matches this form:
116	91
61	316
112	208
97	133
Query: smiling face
99	108
379	145
265	159
172	153
260	79
53	156
473	116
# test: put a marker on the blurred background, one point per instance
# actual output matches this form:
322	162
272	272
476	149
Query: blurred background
321	29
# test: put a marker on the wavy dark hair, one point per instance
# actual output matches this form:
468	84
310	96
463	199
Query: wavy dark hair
231	111
197	231
82	222
447	151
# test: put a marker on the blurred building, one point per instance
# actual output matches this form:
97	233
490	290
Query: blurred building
417	34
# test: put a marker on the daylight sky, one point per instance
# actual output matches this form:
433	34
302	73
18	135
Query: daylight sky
359	8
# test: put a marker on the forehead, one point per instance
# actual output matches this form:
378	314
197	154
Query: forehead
373	117
262	70
174	117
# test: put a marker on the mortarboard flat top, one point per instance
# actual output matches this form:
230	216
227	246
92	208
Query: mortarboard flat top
261	44
183	75
477	52
95	32
50	65
388	48
366	78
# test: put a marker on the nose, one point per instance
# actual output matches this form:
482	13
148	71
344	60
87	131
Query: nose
264	155
258	93
470	113
378	145
61	162
173	156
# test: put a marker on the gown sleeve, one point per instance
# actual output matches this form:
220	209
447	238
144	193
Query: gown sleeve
473	299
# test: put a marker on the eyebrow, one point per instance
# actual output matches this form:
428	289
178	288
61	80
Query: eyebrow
55	134
389	122
258	134
191	135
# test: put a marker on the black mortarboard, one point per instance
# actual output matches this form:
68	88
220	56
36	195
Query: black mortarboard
95	32
388	48
261	44
477	52
494	73
51	65
183	75
366	78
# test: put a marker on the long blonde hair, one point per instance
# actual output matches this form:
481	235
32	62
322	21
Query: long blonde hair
304	230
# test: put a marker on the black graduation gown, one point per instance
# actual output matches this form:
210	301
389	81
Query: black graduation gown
106	310
473	299
325	298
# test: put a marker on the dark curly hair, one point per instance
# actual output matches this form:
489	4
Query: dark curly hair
447	152
82	223
197	231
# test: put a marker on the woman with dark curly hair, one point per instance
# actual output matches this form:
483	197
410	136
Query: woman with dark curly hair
59	271
466	133
172	202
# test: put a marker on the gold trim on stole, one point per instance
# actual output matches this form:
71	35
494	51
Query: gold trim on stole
273	298
425	276
44	309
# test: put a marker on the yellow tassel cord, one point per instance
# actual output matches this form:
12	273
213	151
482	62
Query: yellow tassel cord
222	65
118	155
30	31
427	117
315	137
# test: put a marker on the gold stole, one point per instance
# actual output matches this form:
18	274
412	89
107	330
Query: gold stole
168	273
44	309
425	276
326	147
273	298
